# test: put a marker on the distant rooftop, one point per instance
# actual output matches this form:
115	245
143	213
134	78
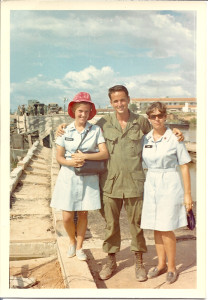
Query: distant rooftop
167	99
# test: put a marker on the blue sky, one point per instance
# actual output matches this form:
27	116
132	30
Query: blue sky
56	54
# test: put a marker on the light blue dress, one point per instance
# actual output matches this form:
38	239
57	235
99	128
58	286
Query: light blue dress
163	205
72	192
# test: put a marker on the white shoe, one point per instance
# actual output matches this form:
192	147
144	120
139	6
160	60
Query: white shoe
81	255
72	251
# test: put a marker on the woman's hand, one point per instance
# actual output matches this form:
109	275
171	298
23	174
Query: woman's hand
178	134
60	130
78	159
78	155
188	202
76	162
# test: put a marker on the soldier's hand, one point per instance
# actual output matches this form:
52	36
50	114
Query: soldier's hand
179	134
60	131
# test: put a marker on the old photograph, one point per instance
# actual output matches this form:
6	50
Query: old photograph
102	155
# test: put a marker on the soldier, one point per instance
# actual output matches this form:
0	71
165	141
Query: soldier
124	181
45	109
19	110
38	110
23	110
29	110
32	110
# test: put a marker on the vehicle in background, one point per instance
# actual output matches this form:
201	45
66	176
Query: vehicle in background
35	108
53	108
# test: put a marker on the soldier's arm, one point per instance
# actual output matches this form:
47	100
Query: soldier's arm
179	134
60	129
145	124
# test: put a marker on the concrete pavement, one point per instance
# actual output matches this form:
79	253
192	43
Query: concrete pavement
79	274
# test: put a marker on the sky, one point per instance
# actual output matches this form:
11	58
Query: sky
54	54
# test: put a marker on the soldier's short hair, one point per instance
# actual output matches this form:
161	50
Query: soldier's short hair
117	88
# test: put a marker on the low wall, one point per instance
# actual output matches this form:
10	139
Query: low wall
22	164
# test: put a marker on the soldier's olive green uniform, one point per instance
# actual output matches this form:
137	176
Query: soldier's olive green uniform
124	180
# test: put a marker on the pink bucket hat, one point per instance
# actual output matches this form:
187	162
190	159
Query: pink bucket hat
82	97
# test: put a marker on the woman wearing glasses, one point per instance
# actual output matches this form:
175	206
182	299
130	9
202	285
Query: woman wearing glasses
164	197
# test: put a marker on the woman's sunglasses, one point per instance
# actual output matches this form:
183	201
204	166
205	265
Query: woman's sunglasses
153	117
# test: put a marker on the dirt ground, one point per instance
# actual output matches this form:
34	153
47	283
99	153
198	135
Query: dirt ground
46	271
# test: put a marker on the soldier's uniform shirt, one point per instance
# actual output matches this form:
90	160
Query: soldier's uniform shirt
163	204
125	176
72	192
124	180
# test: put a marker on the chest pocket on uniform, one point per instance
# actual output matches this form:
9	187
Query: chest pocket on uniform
111	140
134	142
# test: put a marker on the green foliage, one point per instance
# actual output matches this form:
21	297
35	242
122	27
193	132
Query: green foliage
192	121
13	164
133	107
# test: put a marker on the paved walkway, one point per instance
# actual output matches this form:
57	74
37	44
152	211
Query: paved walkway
85	274
30	206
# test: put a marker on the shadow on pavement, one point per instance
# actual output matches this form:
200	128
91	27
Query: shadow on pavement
124	277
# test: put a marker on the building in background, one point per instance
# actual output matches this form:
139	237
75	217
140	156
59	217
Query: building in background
172	104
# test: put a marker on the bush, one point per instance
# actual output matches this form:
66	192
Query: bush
192	121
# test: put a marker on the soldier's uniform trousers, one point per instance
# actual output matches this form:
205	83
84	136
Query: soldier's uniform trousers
111	208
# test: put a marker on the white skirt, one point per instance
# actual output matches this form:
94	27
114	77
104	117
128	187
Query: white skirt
75	193
163	205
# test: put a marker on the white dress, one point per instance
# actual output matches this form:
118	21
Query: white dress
163	204
72	192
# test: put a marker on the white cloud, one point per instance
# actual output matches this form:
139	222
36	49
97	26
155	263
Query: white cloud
89	78
90	73
96	82
162	35
114	36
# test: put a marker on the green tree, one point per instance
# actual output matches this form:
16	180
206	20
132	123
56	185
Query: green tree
133	107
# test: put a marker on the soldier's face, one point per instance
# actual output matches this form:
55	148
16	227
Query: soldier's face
120	101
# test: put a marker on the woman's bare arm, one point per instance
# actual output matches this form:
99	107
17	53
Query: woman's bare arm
187	186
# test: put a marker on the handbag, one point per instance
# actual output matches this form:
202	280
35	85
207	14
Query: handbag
90	167
191	220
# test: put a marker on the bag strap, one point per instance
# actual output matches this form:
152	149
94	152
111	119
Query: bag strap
84	137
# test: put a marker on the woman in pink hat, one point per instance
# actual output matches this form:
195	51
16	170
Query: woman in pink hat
78	193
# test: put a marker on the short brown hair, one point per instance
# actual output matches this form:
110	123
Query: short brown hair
118	88
156	105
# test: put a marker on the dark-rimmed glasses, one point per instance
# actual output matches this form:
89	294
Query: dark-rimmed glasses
153	117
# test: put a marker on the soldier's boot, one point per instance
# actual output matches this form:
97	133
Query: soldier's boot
109	268
140	271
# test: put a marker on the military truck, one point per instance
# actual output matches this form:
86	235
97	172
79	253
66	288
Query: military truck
35	108
53	108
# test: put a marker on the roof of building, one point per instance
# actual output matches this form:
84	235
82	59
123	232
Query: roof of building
163	99
105	109
179	106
